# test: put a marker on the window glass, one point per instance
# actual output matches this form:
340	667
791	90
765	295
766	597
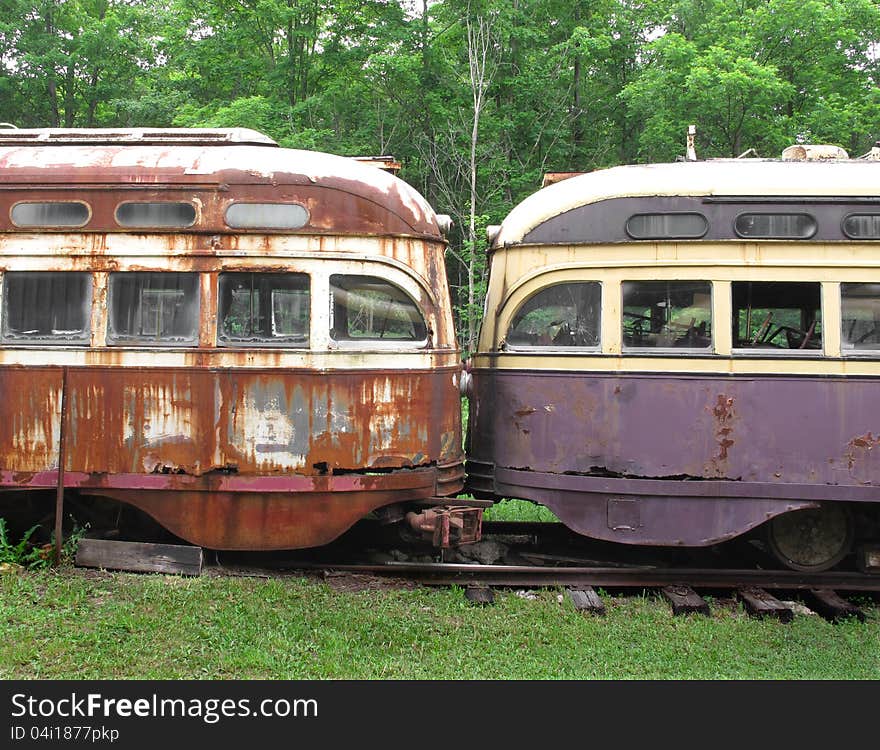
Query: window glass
369	308
862	226
267	216
46	307
56	214
860	315
155	214
775	226
560	315
667	314
669	226
776	315
264	308
154	308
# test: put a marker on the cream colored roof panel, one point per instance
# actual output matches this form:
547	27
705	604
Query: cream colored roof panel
721	177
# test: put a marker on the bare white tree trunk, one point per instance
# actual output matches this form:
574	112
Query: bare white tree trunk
481	69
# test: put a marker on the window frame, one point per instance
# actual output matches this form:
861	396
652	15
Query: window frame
267	227
264	343
774	352
851	352
662	237
54	341
689	351
854	214
375	343
50	226
122	340
156	203
784	237
557	348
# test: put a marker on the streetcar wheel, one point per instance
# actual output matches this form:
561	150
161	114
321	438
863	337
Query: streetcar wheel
811	540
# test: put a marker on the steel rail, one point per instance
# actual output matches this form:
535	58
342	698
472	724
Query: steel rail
448	574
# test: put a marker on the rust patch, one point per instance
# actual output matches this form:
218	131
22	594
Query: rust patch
263	521
724	415
858	445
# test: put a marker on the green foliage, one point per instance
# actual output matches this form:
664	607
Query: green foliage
33	556
23	552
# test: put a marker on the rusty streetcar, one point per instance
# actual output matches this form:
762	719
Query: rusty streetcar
253	345
676	354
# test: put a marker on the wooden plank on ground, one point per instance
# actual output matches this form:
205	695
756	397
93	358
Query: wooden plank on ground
759	603
832	607
141	557
685	600
585	599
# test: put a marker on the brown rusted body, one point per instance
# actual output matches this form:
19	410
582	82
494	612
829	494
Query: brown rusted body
232	447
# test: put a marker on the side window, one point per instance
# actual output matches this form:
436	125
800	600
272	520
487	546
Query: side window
50	214
666	314
155	214
862	226
367	308
666	226
775	226
860	315
46	307
776	315
560	315
158	308
262	309
267	215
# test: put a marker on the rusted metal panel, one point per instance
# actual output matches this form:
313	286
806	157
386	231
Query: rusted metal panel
626	457
267	521
237	459
249	422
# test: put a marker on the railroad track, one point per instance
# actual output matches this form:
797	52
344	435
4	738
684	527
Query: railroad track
679	586
452	574
527	556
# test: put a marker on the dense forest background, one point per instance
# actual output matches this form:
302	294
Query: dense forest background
477	98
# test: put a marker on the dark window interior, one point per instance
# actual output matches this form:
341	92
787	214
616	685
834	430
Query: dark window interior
663	314
775	226
862	226
154	308
560	315
777	315
860	316
155	214
264	308
666	226
50	214
367	307
46	307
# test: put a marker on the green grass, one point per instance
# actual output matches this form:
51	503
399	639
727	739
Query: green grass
518	510
75	624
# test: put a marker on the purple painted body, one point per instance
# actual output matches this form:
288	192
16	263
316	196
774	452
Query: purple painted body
625	457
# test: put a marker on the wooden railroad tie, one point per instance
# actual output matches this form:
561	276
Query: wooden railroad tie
140	557
585	599
759	603
832	607
685	600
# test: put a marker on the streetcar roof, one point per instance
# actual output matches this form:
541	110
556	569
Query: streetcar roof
720	177
181	157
